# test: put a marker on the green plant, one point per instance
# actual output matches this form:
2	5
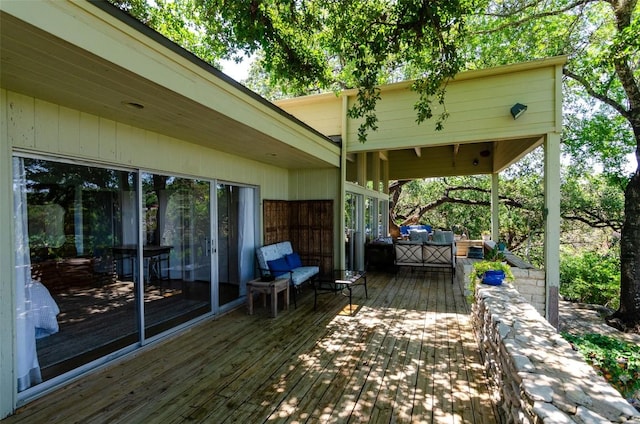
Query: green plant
495	255
591	277
616	360
480	267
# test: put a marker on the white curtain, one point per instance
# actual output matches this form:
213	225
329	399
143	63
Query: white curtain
246	236
28	366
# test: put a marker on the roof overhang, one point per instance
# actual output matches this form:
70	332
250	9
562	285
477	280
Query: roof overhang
480	135
94	58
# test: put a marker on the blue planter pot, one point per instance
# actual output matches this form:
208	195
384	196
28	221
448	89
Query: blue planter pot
493	278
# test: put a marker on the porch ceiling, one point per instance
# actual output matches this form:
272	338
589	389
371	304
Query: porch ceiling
457	159
40	65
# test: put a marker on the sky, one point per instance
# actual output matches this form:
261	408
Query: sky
237	71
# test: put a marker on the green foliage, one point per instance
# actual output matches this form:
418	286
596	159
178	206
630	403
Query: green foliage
480	267
591	277
617	361
594	199
182	23
313	45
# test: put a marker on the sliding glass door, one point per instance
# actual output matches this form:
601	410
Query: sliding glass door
176	251
107	259
354	237
72	307
236	241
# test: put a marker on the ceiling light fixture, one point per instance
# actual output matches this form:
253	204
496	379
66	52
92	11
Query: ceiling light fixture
133	105
517	110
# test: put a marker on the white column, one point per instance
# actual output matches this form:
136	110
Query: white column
385	176
343	177
552	224
495	207
361	161
375	170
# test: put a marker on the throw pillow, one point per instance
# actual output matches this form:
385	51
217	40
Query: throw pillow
278	266
293	260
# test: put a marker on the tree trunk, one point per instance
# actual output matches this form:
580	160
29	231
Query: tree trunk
628	315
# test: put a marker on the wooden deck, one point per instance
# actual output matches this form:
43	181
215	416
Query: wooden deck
407	354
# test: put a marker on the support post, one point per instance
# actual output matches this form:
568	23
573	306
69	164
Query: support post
552	225
495	207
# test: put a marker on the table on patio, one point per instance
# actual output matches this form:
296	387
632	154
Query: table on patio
339	281
268	287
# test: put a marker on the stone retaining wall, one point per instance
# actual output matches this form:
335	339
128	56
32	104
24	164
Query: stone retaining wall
530	282
536	375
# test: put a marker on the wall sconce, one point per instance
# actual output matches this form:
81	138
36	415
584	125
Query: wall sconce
517	110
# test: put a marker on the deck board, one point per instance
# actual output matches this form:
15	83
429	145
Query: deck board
407	354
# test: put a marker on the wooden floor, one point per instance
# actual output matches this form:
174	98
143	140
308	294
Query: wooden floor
406	354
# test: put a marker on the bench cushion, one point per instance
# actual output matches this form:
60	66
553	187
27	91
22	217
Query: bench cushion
438	253
293	260
408	254
272	252
279	266
271	259
303	273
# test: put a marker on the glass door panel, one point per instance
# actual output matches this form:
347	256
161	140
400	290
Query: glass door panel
176	251
75	301
236	241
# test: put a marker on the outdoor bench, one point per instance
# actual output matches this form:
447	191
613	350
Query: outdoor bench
426	255
279	259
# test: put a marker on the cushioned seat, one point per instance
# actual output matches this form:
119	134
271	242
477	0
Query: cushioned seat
279	258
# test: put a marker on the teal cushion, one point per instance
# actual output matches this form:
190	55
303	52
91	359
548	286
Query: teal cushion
278	266
293	260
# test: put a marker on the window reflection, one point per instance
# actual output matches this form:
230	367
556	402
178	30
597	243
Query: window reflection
176	250
78	307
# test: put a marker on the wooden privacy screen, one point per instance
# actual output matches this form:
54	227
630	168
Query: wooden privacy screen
308	224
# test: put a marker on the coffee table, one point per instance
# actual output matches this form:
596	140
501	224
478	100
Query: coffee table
268	287
340	281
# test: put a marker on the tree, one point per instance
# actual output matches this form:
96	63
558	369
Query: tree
602	77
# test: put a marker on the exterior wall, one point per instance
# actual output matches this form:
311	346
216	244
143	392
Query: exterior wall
34	126
322	112
536	375
313	184
37	126
478	103
7	315
478	108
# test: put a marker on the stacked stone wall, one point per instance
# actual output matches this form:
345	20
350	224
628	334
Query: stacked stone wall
530	282
536	375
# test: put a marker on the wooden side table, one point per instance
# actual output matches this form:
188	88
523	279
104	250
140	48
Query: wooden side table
268	287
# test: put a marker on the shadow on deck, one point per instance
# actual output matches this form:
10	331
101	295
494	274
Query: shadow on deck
406	354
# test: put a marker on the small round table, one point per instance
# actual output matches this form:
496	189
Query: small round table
268	287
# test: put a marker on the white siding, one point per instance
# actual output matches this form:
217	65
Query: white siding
478	108
7	323
42	127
